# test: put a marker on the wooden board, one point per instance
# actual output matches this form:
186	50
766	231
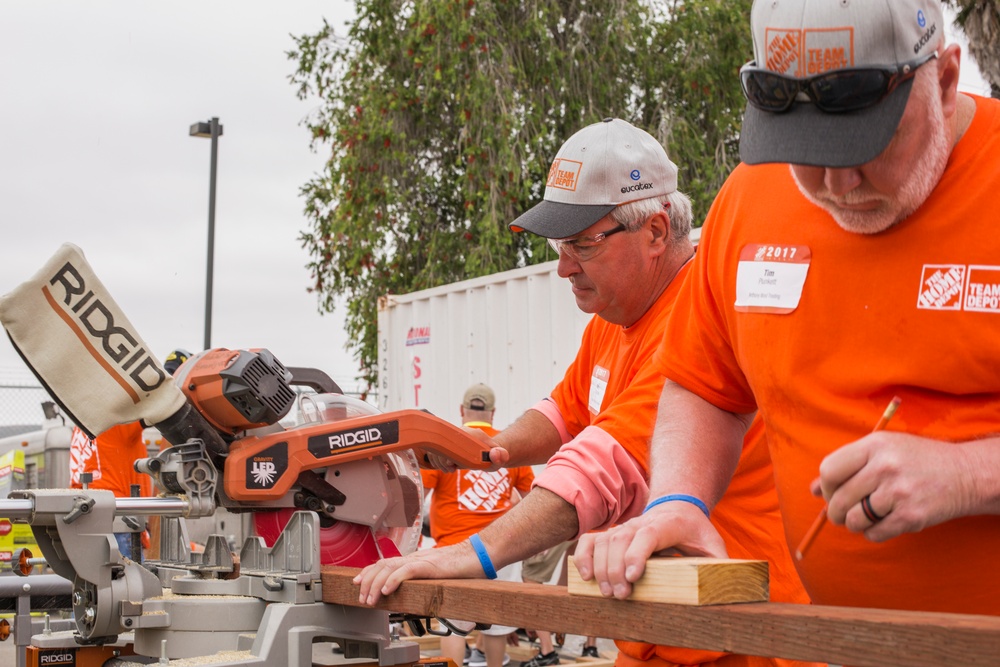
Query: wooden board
694	581
840	635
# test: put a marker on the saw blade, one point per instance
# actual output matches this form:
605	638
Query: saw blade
343	543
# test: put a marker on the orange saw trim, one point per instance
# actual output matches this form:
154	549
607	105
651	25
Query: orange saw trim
283	456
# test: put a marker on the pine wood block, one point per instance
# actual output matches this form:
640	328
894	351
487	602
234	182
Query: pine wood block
691	581
426	643
521	652
592	662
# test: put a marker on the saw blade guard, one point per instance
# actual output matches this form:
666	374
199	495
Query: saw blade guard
383	510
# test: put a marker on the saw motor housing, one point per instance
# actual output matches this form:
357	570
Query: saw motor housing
237	390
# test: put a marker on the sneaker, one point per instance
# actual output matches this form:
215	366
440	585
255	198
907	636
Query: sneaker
478	659
542	660
589	652
468	654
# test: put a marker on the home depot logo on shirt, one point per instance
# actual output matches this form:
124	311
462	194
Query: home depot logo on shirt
974	288
83	457
480	491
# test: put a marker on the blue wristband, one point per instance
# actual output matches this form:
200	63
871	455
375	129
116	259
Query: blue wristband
677	496
484	557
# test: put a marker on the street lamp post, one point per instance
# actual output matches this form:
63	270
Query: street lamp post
213	130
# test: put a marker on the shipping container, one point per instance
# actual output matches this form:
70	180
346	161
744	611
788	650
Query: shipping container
517	331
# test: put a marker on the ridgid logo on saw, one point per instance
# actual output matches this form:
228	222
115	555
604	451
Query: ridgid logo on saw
363	437
95	323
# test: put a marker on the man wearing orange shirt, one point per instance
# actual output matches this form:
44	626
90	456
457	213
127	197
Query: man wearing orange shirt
108	459
852	258
613	213
463	502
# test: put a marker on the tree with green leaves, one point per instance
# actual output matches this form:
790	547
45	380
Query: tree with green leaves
980	21
441	118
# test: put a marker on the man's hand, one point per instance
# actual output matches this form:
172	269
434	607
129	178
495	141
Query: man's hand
910	483
499	458
458	561
498	455
616	558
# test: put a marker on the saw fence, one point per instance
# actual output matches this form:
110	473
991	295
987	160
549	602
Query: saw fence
837	635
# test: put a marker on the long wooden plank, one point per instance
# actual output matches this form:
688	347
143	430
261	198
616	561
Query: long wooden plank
838	635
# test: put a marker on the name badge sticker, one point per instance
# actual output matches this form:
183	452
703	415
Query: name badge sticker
598	388
769	278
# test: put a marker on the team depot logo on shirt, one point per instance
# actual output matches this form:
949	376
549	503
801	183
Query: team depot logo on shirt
972	287
480	491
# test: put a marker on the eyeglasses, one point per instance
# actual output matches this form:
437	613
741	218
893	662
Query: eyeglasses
837	91
584	248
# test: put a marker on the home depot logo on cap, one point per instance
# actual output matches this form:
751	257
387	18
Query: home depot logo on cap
600	167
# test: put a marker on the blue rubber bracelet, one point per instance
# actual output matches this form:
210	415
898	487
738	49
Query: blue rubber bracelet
484	557
677	496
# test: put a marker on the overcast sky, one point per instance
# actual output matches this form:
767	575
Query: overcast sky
94	150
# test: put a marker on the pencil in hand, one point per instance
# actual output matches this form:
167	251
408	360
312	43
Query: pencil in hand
810	536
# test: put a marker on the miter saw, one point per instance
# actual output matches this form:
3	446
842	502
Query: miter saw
342	486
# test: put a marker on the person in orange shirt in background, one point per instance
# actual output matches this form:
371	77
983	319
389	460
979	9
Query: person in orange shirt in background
463	502
613	213
109	460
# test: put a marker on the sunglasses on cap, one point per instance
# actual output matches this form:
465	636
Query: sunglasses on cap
837	91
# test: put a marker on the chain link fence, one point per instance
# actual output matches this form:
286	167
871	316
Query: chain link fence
21	407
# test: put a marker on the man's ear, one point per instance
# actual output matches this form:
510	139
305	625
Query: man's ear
659	227
949	64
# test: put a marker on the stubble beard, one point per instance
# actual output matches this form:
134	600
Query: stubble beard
912	193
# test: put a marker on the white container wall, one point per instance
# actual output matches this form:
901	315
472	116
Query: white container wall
516	331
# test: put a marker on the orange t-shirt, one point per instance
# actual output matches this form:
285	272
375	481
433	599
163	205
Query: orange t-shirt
466	501
611	384
913	311
109	459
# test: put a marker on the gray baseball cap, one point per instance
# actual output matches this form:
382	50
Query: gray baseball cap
803	38
599	168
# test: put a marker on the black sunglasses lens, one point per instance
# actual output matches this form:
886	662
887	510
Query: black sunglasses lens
768	91
849	90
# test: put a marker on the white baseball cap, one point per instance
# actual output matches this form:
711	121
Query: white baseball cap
803	38
600	167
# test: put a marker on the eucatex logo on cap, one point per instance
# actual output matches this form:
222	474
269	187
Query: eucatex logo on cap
635	176
564	174
637	187
926	37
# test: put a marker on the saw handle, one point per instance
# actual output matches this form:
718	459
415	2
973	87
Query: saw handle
444	439
326	444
